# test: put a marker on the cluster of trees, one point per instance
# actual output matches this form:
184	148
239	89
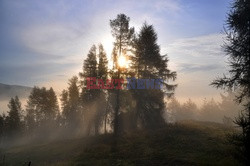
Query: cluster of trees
40	118
86	111
12	124
224	111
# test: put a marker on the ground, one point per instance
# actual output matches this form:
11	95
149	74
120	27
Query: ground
183	143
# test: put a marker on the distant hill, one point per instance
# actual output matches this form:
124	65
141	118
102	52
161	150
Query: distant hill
8	91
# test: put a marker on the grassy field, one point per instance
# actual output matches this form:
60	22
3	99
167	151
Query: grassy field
185	143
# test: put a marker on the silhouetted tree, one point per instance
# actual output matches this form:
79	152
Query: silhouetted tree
30	119
103	63
2	127
14	118
89	97
53	107
103	74
238	48
102	112
148	63
71	110
42	110
89	67
123	35
65	107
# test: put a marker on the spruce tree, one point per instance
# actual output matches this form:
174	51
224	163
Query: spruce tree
53	107
89	97
101	113
102	64
150	64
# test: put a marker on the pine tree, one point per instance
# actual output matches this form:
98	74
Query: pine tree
238	49
13	120
70	100
53	107
149	64
65	107
101	113
102	64
30	121
89	96
94	100
123	35
89	67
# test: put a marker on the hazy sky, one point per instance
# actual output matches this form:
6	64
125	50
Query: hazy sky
44	42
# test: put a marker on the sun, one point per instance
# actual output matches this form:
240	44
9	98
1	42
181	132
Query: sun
122	61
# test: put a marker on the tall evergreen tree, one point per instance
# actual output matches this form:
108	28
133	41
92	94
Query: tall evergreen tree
65	107
103	63
52	105
89	69
148	63
89	96
238	48
70	100
102	112
94	100
123	35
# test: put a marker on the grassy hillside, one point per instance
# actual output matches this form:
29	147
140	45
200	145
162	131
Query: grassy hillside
185	143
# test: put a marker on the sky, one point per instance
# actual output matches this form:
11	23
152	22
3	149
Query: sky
44	42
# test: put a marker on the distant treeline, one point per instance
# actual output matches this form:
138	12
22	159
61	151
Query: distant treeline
224	111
